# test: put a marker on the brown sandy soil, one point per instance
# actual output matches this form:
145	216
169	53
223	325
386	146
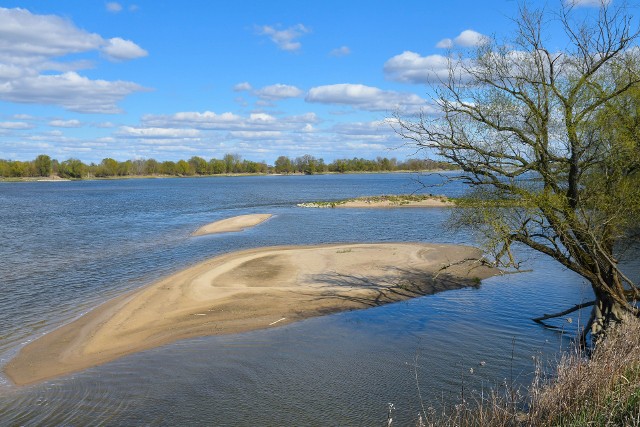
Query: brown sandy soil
244	291
236	223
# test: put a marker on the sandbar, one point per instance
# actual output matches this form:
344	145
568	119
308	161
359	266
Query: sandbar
236	223
248	290
386	201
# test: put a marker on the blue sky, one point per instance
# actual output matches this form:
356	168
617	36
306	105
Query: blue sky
174	79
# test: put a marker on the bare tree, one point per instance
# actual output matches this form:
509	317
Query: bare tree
534	130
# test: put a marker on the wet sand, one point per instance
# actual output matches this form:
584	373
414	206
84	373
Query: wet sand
236	223
244	291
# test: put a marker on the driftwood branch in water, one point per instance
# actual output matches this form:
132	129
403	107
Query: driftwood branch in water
577	307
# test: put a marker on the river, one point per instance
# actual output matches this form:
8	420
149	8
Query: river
68	246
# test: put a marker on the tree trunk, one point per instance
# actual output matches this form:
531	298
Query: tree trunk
605	313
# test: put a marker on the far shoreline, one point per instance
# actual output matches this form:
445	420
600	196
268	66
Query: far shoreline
56	178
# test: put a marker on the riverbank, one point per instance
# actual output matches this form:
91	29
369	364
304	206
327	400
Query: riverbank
600	390
248	290
220	175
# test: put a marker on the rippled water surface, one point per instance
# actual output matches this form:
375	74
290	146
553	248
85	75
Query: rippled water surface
65	247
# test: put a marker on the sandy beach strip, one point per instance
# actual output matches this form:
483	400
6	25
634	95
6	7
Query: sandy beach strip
431	203
236	223
386	201
248	290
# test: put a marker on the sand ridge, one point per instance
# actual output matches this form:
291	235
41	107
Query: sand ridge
248	290
236	223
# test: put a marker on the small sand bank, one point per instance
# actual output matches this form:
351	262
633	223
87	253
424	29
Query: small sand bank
244	291
386	201
236	223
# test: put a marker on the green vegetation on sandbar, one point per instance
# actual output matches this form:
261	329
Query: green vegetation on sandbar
391	199
44	166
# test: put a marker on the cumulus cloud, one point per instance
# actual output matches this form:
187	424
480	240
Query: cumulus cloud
118	49
104	125
114	7
29	38
256	135
30	48
467	38
284	39
377	131
410	67
341	51
157	133
242	87
65	123
278	91
365	97
16	125
69	90
470	38
445	44
229	121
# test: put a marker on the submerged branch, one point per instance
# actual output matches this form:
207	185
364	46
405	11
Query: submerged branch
576	307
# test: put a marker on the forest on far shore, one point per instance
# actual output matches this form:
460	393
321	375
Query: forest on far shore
44	166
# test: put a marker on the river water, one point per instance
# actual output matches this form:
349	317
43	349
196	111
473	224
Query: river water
67	246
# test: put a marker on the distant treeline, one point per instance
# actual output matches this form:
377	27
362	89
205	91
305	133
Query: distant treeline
45	166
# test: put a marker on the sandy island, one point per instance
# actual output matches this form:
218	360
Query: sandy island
386	201
244	291
236	223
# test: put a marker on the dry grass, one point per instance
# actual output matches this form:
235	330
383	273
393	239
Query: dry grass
603	390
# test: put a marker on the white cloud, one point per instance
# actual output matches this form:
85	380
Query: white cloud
256	135
242	87
587	3
30	48
278	91
105	125
467	38
69	90
410	67
10	72
16	125
118	49
284	39
229	121
157	133
470	38
445	44
65	123
341	51
365	97
29	38
365	146
114	7
379	131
